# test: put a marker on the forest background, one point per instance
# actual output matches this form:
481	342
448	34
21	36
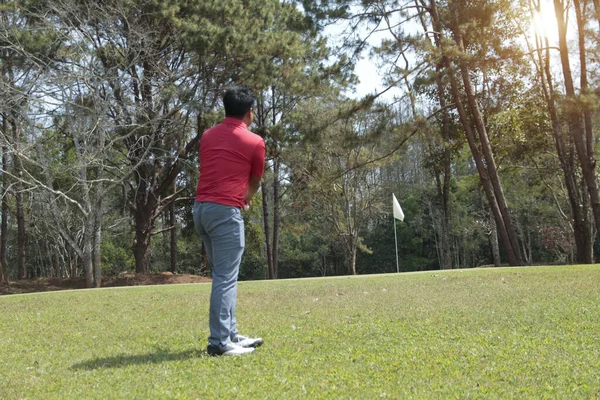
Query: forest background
483	125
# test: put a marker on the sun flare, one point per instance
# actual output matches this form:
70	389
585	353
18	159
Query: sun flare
544	23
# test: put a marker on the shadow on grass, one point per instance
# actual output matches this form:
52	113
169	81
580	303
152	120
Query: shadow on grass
123	360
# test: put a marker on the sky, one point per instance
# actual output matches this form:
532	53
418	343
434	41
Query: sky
366	69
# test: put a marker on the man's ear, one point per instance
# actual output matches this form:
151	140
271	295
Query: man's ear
249	117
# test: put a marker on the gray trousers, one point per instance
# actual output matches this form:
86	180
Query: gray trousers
222	230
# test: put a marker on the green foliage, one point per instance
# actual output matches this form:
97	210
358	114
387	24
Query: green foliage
415	251
487	333
258	38
116	254
306	250
27	41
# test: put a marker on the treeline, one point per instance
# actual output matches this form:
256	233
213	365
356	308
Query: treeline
489	143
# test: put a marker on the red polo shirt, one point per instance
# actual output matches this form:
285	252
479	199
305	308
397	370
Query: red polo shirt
229	155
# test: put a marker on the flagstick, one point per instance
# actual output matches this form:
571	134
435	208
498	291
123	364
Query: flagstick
396	237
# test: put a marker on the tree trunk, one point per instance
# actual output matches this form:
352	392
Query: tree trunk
481	169
23	273
267	229
262	118
72	263
52	269
56	257
87	254
487	153
276	215
352	247
443	183
166	235
586	160
143	214
583	76
4	221
524	242
21	235
3	276
97	256
494	242
586	225
446	239
145	208
97	243
173	238
579	221
444	193
587	117
141	244
152	182
583	244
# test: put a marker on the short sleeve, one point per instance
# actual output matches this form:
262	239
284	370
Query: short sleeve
258	159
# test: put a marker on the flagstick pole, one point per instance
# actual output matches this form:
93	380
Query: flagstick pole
396	237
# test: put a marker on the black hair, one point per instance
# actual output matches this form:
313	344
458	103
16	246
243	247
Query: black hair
238	100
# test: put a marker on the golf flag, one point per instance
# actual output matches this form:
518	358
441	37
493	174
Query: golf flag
398	214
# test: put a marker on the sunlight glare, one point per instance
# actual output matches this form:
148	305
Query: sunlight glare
544	22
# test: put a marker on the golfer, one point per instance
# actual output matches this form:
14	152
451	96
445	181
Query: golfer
232	161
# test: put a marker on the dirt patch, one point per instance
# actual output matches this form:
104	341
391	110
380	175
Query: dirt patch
52	284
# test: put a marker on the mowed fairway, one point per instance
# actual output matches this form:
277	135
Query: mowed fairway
531	332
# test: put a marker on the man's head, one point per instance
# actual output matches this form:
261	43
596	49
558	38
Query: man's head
238	102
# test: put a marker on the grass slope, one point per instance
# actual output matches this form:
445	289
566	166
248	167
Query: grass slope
487	333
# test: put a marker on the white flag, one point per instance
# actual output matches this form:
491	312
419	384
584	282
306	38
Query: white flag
398	214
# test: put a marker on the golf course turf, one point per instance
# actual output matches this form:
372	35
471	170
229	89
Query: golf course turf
529	332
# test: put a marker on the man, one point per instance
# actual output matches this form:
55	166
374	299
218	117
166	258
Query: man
232	161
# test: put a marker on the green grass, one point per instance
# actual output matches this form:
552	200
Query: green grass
487	333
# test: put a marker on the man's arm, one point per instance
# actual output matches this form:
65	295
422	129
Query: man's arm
258	167
252	188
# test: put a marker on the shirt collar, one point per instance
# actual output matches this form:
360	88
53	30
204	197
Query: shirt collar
235	122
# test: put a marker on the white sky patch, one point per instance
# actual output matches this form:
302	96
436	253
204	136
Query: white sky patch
371	77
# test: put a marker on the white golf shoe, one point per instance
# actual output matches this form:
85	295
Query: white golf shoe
230	349
247	342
